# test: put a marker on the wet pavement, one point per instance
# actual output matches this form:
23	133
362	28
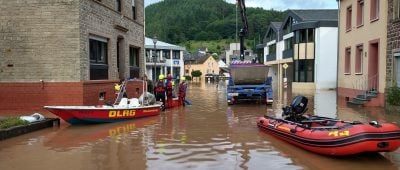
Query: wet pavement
206	135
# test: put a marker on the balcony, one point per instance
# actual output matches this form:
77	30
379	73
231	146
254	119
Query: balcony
150	60
271	57
288	53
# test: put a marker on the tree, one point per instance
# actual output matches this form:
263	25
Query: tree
203	20
196	73
215	56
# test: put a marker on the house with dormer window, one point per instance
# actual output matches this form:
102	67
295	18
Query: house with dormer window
303	49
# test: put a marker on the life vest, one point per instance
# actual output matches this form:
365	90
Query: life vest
182	88
169	88
160	87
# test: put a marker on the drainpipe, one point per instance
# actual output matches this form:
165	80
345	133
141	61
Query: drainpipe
338	52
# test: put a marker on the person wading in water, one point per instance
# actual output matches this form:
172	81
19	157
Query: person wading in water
182	91
168	85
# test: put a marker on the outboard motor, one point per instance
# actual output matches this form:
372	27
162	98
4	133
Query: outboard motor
299	104
294	112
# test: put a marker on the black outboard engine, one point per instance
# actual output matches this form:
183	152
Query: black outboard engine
295	111
299	104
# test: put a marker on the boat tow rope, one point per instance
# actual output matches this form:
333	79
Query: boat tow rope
305	126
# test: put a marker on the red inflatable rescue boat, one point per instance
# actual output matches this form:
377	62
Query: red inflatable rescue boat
330	136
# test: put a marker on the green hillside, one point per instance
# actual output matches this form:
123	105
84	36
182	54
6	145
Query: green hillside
205	22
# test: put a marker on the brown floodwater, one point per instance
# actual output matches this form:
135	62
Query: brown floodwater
208	134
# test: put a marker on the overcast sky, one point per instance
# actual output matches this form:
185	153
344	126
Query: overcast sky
280	4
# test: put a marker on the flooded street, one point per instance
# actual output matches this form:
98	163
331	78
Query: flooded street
208	134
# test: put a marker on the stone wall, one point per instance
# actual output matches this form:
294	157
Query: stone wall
393	43
48	39
39	40
44	50
100	18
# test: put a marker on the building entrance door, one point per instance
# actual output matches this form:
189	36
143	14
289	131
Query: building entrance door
373	66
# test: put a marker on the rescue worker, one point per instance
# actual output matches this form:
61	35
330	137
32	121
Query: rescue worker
182	91
117	88
120	88
169	88
159	90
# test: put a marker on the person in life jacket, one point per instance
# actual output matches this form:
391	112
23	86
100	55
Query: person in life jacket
120	88
159	89
169	88
182	91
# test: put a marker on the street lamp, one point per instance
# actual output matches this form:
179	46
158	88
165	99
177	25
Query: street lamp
154	58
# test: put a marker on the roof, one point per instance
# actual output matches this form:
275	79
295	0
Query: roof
161	45
192	56
221	64
316	14
274	26
312	18
202	59
198	59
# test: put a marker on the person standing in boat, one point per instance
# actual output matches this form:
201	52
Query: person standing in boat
168	85
159	89
182	91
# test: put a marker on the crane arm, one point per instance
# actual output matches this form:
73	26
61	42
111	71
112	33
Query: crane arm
243	30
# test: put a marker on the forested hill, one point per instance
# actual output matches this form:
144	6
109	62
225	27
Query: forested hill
178	21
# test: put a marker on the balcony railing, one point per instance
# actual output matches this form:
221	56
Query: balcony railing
271	57
152	60
288	53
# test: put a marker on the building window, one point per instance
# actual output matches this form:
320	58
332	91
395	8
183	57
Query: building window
166	54
288	26
310	35
397	71
98	58
374	10
348	18
176	71
148	57
272	49
288	43
118	5
134	56
358	62
134	62
303	70
347	60
271	35
133	10
176	55
155	55
303	36
396	9
360	13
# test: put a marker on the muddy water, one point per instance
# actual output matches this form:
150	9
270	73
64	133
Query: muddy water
206	135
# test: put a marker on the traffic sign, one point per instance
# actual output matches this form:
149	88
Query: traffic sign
285	66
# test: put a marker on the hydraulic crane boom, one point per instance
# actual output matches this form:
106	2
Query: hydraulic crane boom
243	30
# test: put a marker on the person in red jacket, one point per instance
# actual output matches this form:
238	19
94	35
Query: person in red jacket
169	88
182	91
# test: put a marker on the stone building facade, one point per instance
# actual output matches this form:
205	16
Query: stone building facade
393	44
68	52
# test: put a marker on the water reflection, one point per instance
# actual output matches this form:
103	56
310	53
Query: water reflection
206	135
73	137
211	135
